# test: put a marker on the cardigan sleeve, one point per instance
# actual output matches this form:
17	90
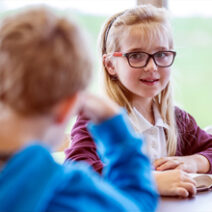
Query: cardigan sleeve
191	138
82	146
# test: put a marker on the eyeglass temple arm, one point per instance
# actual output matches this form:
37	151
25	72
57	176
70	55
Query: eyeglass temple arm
117	54
114	54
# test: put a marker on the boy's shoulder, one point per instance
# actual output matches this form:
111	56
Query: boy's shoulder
34	178
31	175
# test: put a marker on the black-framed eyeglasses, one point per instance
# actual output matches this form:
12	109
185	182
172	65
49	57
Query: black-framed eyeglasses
162	59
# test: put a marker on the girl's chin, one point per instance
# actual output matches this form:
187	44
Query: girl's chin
145	96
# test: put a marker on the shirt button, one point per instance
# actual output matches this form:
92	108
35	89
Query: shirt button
154	157
151	132
154	144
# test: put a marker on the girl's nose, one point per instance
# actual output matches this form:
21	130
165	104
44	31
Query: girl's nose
151	66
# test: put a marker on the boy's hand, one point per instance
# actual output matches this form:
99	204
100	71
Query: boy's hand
95	108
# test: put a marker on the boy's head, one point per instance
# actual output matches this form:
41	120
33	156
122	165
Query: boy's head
43	60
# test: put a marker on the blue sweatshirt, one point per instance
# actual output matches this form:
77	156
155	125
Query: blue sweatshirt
32	181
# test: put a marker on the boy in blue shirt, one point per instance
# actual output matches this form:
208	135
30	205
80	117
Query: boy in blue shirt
44	65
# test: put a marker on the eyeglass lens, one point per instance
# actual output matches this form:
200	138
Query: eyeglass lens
140	59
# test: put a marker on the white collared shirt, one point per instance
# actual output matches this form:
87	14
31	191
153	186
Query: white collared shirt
154	137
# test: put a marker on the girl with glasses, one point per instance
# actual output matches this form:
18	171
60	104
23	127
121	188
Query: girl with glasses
137	53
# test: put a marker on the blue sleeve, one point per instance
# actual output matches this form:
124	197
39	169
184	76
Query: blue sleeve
126	184
127	167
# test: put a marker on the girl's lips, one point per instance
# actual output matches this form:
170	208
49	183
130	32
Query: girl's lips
149	81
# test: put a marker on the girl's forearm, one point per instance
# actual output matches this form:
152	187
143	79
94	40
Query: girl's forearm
202	162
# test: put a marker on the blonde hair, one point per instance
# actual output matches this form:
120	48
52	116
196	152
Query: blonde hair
151	22
43	60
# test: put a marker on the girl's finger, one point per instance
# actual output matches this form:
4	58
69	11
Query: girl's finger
172	164
159	162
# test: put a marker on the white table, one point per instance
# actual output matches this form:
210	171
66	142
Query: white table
202	202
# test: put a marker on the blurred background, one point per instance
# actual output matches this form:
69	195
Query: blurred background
192	28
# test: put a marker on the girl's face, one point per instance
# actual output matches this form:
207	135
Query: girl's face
150	80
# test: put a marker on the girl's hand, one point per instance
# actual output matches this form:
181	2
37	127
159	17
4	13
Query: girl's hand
183	162
175	183
191	164
95	108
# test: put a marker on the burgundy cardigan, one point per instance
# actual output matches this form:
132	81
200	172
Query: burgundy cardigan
191	140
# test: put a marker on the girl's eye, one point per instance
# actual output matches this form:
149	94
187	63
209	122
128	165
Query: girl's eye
137	56
161	55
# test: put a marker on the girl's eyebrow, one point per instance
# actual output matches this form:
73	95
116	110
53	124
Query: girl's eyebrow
160	48
135	50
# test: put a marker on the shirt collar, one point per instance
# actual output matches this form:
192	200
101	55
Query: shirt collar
141	124
158	119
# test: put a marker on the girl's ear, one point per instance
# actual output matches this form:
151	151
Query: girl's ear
109	65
